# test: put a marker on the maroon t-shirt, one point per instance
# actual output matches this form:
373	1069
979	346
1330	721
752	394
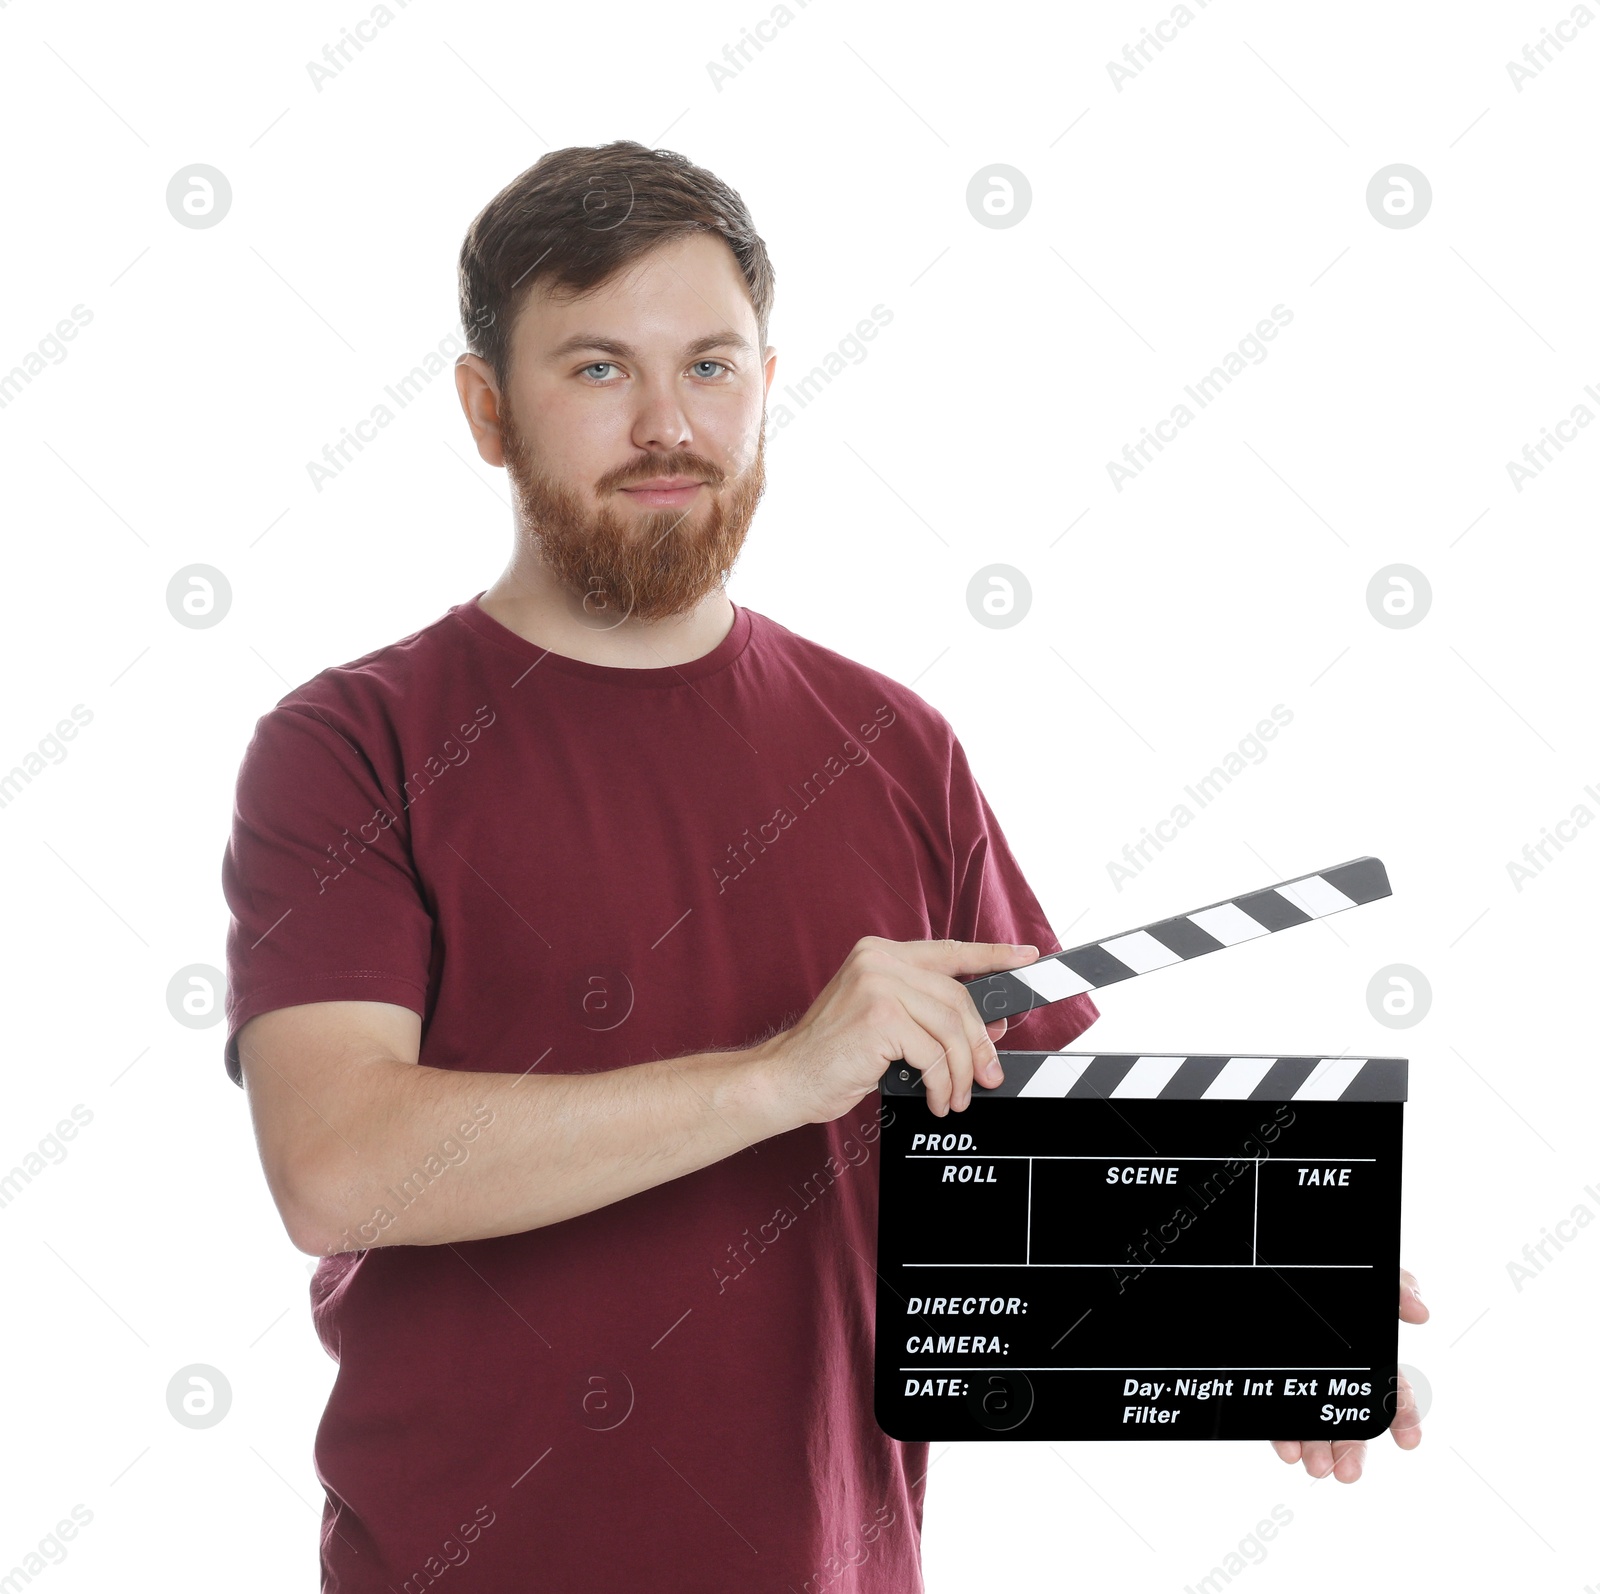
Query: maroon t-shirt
573	867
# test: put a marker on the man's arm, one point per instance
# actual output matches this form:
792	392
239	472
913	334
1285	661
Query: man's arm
344	1113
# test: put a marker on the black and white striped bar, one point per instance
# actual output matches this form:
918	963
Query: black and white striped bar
1172	1077
1176	940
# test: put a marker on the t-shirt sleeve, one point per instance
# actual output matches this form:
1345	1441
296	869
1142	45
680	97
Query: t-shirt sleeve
995	903
324	899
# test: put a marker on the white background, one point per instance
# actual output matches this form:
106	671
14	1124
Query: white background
1167	218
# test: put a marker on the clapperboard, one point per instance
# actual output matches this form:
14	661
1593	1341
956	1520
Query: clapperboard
1145	1247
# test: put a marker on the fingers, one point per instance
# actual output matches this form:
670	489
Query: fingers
931	1059
953	1035
1343	1459
1412	1309
1407	1424
928	1057
925	1016
1316	1455
949	994
955	1048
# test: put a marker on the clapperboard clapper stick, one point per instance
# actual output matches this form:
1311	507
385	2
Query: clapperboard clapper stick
1177	940
1157	1246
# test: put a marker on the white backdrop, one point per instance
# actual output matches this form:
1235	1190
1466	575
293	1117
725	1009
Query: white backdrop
1162	213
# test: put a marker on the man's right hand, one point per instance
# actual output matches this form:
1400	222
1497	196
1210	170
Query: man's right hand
892	1000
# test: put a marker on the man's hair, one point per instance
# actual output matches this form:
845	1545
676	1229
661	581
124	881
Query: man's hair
578	215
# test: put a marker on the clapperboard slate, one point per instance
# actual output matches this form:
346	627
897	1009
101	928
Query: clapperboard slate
1145	1247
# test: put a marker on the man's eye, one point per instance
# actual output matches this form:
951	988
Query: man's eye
699	368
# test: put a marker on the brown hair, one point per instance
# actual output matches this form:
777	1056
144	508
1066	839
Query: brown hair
578	215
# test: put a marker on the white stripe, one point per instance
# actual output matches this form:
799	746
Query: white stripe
1328	1080
1239	1076
1315	896
1148	1076
1140	951
1051	979
1055	1076
1228	922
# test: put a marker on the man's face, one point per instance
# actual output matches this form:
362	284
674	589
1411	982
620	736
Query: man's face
631	428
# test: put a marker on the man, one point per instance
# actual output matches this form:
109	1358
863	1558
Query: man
571	937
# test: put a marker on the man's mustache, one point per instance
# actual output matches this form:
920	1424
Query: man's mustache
701	470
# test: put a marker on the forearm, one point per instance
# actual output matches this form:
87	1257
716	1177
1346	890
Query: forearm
423	1156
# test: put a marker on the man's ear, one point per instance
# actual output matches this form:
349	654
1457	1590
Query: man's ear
480	403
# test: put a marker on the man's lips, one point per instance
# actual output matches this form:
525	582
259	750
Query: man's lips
664	492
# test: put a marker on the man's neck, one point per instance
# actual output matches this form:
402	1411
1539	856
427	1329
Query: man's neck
548	615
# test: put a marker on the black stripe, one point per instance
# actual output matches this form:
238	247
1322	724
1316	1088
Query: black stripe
1284	1078
1002	996
1096	965
1102	1076
1193	1076
1362	879
1271	910
1380	1079
1185	937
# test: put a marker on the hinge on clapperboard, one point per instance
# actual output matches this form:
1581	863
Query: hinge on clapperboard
1096	964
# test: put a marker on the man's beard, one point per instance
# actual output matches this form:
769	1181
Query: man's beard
647	566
